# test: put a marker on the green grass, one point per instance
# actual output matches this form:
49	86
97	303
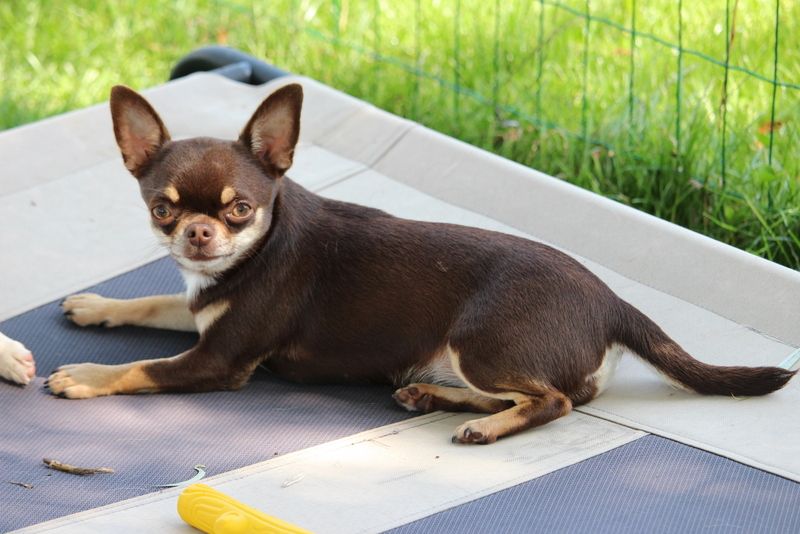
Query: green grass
515	80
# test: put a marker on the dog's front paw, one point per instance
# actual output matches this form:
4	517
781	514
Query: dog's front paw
88	309
415	398
16	362
475	431
81	381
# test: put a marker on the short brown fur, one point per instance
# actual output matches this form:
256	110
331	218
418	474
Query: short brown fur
327	291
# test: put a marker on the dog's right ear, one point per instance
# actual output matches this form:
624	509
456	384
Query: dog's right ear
139	130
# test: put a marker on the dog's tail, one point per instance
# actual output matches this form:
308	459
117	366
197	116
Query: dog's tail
644	337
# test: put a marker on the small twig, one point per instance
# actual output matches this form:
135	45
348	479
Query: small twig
21	484
66	468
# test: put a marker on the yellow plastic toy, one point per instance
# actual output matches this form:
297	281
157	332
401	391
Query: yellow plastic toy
216	513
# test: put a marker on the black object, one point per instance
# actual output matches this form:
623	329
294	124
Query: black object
228	62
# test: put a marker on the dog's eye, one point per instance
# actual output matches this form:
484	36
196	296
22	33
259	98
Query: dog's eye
161	212
240	211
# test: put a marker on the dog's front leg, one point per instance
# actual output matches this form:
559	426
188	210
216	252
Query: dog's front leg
170	312
193	371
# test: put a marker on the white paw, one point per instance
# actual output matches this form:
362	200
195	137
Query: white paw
88	309
16	362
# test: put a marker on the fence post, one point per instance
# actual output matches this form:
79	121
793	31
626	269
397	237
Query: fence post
584	102
678	89
729	32
539	69
457	63
633	67
774	79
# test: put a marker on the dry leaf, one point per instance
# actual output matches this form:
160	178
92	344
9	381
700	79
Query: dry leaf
66	468
768	127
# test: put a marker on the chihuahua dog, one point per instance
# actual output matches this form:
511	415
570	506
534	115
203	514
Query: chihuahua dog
461	319
16	362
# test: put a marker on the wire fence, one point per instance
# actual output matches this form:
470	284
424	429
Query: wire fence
687	110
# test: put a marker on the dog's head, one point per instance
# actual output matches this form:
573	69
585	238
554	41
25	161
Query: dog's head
210	200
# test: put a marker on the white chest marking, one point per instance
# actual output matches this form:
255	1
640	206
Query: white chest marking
196	282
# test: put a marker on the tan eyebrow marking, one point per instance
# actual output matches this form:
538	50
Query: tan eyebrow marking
171	193
228	194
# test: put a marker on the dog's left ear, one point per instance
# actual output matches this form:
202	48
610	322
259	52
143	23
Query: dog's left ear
271	133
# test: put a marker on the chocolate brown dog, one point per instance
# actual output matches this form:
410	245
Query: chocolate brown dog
324	291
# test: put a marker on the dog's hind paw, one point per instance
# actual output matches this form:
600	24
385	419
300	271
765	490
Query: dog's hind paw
475	431
415	398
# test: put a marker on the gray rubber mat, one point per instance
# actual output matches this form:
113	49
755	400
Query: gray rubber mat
150	439
651	485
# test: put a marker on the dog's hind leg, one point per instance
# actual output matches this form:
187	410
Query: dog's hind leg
530	410
427	398
533	403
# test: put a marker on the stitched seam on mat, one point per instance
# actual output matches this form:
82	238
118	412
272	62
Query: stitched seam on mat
403	134
697	444
701	306
303	454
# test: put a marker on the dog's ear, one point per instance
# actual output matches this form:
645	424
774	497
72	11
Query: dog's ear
137	127
272	131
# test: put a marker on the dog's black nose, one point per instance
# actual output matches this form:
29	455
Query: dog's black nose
199	234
